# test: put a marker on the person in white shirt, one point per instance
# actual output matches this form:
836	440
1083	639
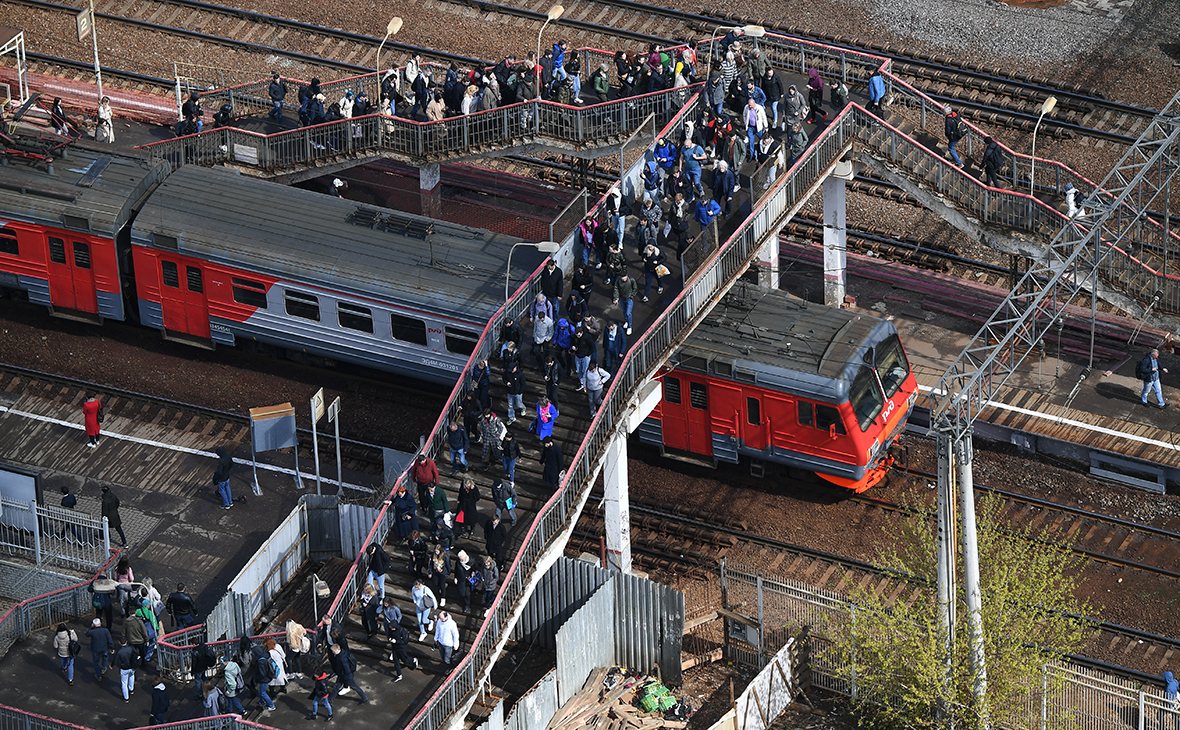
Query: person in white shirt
446	635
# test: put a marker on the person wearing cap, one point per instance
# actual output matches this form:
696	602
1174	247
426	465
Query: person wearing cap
446	636
1149	371
320	694
338	187
1073	199
278	92
955	131
102	645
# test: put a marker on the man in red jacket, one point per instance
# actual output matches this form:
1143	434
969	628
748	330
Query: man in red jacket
424	472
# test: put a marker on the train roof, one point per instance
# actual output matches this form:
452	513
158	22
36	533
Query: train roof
768	337
308	237
91	190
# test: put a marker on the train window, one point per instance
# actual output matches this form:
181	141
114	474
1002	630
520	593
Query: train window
672	390
806	414
865	397
250	293
461	341
81	255
754	411
304	306
8	243
698	397
171	274
196	283
408	329
57	250
892	366
354	317
826	417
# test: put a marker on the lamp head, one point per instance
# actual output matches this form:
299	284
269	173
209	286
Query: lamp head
547	246
754	31
555	12
320	587
395	24
1049	105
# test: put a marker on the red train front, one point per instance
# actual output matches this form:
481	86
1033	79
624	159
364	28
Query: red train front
774	379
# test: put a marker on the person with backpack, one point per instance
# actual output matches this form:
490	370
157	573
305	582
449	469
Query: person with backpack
955	130
154	630
319	694
104	607
344	665
233	685
265	671
815	96
838	95
135	633
424	603
65	643
203	659
600	82
213	699
1149	371
504	495
993	160
399	640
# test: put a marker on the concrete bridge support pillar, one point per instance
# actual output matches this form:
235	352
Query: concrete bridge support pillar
767	262
430	188
835	241
614	477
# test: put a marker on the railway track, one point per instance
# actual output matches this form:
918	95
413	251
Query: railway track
682	541
14	381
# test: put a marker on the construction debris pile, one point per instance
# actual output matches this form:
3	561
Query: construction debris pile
618	699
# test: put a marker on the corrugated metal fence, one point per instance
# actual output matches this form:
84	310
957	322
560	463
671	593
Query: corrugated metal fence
560	592
586	642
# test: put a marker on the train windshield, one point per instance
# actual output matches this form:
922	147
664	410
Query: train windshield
892	366
865	397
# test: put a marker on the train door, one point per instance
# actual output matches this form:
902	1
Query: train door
673	420
71	276
755	423
698	425
726	409
182	298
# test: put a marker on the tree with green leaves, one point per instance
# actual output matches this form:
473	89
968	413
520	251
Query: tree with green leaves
893	653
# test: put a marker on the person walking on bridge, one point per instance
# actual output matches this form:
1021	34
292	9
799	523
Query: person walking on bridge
1149	372
955	130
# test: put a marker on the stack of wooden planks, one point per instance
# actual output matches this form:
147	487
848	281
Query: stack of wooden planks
600	705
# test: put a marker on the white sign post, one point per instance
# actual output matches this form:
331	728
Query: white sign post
85	20
334	418
317	412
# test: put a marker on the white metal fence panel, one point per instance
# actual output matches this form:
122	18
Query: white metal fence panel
769	693
537	707
586	642
274	563
355	522
50	535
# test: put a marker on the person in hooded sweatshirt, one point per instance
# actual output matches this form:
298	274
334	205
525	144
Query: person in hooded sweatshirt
1171	687
225	464
160	703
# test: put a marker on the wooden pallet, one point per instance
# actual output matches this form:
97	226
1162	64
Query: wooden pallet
596	708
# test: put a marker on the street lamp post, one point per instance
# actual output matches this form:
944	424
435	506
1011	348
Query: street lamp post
754	31
1046	107
395	24
542	246
553	14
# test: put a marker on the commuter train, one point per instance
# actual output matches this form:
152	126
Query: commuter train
774	379
208	256
211	257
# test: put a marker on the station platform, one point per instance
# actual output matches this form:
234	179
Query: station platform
160	469
1056	403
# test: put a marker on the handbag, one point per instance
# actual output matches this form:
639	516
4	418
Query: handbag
100	415
510	503
662	271
459	517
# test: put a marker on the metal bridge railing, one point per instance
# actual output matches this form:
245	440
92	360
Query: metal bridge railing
48	610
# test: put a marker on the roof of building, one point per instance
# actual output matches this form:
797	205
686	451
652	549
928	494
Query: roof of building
776	340
308	237
90	190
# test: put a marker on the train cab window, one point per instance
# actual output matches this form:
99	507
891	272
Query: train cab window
354	317
892	365
408	329
81	255
672	390
250	293
826	417
461	341
171	274
8	243
57	250
698	396
196	283
304	306
806	414
754	411
866	398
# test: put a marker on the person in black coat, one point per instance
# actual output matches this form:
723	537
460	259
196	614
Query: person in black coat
469	497
583	279
509	332
552	462
552	281
225	465
553	373
495	533
480	383
463	571
160	703
399	640
378	566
